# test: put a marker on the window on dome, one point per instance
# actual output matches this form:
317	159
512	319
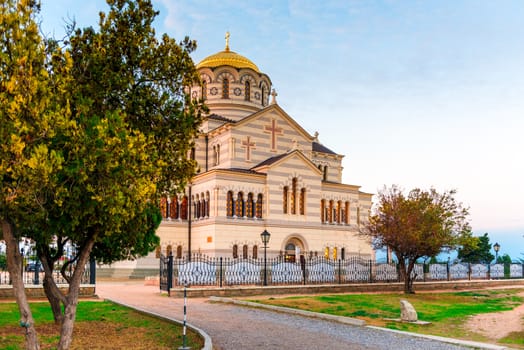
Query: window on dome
225	88
247	95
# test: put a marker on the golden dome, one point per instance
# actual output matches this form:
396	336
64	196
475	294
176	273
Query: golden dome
227	58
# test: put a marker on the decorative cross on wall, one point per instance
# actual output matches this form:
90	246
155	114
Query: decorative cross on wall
274	131
248	144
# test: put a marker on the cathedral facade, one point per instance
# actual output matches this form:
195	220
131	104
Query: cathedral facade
259	170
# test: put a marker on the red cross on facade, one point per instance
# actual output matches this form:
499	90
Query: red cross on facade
248	144
274	131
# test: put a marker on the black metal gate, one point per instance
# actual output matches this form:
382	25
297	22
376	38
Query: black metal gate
166	273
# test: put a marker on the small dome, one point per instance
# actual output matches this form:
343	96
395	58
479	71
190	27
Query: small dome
227	58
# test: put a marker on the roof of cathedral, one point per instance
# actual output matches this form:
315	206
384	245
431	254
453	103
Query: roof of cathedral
227	58
221	118
240	170
317	147
271	160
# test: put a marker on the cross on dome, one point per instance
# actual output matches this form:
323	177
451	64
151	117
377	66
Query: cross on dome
227	41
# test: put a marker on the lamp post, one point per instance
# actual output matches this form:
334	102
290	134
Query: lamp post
265	239
496	247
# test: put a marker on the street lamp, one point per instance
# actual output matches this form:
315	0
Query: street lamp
265	239
496	247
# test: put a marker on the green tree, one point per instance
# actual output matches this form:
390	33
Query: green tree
478	252
30	115
421	224
136	126
92	140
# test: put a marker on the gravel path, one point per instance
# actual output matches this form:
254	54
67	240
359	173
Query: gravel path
236	327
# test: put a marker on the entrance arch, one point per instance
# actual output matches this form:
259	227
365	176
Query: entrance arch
294	248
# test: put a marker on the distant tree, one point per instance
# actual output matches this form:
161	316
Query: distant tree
421	224
479	252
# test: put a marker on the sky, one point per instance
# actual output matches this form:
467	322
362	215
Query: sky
413	93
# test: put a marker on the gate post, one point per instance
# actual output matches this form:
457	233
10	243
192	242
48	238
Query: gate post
220	271
92	271
339	272
169	273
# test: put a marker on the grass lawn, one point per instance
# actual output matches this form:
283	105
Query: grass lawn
447	312
99	325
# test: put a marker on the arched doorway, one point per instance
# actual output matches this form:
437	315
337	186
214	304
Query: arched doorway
293	250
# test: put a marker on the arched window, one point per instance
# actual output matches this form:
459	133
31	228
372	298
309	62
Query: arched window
244	251
302	201
284	199
169	250
326	252
343	253
174	207
250	206
255	252
325	173
259	206
339	211
179	252
216	153
225	88
331	209
230	204
239	205
207	204
163	207
158	252
196	207
347	213
294	196
358	216
247	95
183	214
235	251
322	211
335	253
263	96
204	90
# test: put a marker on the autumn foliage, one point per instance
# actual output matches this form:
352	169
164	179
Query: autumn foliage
419	224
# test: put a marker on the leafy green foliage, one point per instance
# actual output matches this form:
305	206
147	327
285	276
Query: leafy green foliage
3	262
92	134
421	224
479	252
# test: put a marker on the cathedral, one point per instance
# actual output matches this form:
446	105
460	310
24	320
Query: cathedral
259	170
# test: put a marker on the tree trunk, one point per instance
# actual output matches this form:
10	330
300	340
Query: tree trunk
71	300
14	266
405	273
54	300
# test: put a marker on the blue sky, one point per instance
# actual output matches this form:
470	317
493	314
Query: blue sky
415	93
